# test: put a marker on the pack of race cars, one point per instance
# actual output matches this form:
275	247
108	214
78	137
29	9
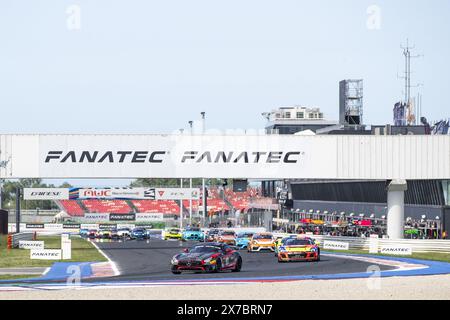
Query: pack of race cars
125	233
219	250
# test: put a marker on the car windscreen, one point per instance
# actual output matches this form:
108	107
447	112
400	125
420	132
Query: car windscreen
263	236
227	233
193	229
205	249
298	242
245	235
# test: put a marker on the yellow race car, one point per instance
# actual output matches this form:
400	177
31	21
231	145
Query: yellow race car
298	249
173	233
261	241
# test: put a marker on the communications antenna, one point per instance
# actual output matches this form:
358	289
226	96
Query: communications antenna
410	114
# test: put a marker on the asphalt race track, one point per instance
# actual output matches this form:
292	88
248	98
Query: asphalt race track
139	260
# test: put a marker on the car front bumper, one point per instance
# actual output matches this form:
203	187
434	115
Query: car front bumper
297	256
262	247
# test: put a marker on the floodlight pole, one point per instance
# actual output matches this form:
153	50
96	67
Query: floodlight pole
205	206
190	180
181	207
190	202
1	195
18	193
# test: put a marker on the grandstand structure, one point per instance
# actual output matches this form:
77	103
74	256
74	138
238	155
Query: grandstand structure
220	200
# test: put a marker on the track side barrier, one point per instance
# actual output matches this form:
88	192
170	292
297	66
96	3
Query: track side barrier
13	239
417	245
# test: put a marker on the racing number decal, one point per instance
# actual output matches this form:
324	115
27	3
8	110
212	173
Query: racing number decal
228	259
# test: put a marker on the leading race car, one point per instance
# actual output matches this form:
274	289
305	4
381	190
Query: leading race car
299	249
243	238
194	234
207	257
261	241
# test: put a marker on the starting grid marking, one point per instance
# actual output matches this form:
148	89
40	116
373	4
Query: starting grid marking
404	267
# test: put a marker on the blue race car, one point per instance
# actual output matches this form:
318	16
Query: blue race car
139	234
243	238
193	234
84	233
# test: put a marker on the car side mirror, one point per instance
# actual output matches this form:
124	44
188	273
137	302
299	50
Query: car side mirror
186	250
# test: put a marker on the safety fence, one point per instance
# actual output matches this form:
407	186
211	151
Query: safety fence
13	239
417	245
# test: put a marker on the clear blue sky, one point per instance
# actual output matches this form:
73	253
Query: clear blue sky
150	66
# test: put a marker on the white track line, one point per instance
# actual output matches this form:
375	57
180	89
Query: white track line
113	264
399	265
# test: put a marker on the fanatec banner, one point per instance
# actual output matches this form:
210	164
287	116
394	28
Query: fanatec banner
164	156
225	156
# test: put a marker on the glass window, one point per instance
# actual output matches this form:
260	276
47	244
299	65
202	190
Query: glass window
300	115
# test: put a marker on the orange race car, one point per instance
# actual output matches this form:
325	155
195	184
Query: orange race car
226	236
261	241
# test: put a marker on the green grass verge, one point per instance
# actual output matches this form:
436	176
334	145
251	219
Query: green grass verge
82	251
435	256
17	276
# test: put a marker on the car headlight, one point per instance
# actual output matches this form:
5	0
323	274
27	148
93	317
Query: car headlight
174	261
209	261
313	250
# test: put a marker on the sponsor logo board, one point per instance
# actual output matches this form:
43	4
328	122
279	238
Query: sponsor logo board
122	217
89	226
396	250
36	245
125	225
46	194
335	245
46	254
34	226
71	226
142	217
107	226
96	216
138	193
53	226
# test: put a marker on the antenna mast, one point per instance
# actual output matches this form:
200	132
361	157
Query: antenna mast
410	114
